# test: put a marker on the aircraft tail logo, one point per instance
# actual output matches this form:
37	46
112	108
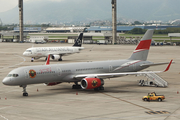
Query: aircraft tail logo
78	42
142	50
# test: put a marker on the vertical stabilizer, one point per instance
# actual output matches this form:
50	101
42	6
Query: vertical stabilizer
47	61
142	50
78	42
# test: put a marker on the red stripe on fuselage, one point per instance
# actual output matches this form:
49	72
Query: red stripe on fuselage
144	44
140	50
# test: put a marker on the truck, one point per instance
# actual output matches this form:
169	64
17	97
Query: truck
153	97
102	42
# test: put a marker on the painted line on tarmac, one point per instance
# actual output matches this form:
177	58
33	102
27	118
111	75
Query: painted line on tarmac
15	64
127	101
3	117
172	113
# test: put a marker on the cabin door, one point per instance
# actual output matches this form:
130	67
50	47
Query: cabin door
26	74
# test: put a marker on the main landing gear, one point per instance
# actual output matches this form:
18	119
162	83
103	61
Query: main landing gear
76	86
24	90
60	59
99	88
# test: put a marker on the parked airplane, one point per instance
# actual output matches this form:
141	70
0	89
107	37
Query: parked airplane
55	52
89	74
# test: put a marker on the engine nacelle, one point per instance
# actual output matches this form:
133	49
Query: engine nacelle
55	57
91	83
52	84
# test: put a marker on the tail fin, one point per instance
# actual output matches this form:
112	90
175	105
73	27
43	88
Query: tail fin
78	42
142	50
47	61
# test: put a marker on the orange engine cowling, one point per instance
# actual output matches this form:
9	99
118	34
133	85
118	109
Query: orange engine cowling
52	84
91	83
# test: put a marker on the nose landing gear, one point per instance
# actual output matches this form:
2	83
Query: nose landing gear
24	90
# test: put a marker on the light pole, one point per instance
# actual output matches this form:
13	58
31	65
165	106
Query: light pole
21	20
114	26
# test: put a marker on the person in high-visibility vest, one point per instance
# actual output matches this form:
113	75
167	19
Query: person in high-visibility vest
148	97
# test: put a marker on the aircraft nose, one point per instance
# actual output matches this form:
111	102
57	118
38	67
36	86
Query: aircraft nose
6	81
24	53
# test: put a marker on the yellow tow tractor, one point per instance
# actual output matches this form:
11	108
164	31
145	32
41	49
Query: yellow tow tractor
153	97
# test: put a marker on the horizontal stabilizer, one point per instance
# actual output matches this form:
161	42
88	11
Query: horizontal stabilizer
154	64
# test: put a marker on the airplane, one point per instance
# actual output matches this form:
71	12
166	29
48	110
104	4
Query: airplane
55	52
91	75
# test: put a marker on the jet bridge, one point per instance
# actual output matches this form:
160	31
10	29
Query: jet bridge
153	80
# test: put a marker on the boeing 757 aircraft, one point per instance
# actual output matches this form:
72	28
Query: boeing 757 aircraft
89	74
55	52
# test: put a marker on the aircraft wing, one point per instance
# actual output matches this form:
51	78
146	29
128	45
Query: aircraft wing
111	75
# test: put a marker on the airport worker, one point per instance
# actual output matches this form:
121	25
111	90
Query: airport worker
148	97
32	59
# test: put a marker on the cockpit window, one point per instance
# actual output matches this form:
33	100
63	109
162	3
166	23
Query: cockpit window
28	50
12	75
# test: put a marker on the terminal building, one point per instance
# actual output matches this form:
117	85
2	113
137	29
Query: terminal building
65	29
121	29
29	29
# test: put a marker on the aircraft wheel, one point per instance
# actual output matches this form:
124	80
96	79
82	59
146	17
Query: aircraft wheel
145	99
25	94
101	88
96	89
76	87
60	59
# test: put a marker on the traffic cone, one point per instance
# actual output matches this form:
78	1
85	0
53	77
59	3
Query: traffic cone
37	90
5	98
76	93
177	92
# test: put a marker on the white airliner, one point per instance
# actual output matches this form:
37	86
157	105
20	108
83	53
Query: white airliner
55	52
89	74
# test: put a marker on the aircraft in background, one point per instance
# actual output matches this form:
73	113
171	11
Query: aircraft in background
91	75
56	53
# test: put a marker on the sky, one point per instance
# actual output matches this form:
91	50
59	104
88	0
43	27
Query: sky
6	5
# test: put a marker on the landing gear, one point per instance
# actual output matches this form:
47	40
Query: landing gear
76	86
99	88
60	59
25	94
24	90
46	59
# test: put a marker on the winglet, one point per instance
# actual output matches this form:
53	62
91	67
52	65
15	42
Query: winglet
47	61
168	66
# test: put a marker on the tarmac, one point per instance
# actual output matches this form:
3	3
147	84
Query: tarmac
121	99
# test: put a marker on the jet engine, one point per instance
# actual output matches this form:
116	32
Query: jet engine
91	83
52	84
55	57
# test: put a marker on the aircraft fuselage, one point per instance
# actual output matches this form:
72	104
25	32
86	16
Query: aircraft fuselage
66	72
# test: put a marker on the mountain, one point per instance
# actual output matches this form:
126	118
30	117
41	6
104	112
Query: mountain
38	11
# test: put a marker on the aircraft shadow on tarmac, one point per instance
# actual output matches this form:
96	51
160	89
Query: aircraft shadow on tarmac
66	89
